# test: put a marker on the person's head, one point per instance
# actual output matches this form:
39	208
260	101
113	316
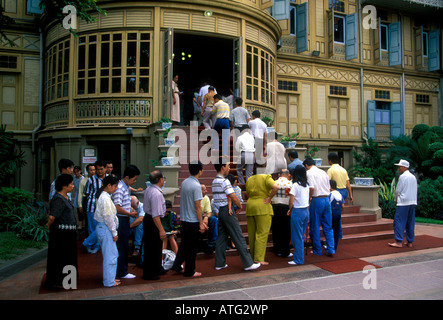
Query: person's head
217	97
333	185
134	202
64	183
308	163
175	78
100	168
245	128
156	177
272	136
110	184
131	174
222	166
255	114
65	166
90	169
333	158
284	173
299	176
238	102
403	166
78	171
232	179
292	155
211	88
195	168
204	190
168	204
109	167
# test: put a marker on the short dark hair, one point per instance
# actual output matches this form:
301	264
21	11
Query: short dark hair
256	114
100	163
155	176
333	184
217	96
168	203
309	162
77	168
64	163
195	167
238	101
293	154
131	171
334	157
90	165
231	178
62	181
219	164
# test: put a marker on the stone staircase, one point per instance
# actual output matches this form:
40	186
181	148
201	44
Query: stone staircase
357	226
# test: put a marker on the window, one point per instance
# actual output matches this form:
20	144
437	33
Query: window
383	37
293	19
382	94
57	71
338	91
382	112
422	98
259	75
339	29
425	44
8	62
337	5
287	85
123	67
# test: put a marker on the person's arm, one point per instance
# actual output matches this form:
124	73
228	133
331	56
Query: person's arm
272	194
198	211
158	224
235	200
291	203
348	186
136	222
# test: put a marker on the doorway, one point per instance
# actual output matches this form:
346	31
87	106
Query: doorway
198	59
114	152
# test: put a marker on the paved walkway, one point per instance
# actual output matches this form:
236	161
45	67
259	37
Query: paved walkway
410	275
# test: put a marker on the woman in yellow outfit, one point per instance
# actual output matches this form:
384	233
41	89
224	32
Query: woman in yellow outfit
260	188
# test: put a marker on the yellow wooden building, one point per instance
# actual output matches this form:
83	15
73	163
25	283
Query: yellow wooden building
337	72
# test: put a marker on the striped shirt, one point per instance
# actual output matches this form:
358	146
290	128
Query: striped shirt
94	183
222	110
221	188
122	197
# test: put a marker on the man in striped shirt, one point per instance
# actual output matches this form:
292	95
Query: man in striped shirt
94	183
228	224
122	201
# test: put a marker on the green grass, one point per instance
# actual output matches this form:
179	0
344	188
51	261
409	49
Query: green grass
12	246
425	220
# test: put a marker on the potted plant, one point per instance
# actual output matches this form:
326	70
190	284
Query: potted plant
290	141
363	176
311	154
166	161
165	122
269	123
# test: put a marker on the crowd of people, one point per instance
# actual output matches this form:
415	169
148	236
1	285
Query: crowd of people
285	197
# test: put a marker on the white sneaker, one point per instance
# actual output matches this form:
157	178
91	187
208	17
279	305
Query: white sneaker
290	255
219	268
292	263
129	276
253	267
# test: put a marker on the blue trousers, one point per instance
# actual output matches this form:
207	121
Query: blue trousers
91	242
109	252
344	193
299	223
219	125
321	215
404	220
137	232
213	228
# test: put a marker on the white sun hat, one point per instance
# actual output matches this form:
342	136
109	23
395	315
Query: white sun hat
403	163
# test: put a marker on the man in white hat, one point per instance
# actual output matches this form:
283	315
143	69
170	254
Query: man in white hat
406	197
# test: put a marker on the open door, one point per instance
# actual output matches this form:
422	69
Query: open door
236	72
168	45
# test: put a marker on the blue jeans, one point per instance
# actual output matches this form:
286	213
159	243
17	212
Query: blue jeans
299	223
404	220
221	124
321	215
213	228
109	252
137	232
344	193
91	242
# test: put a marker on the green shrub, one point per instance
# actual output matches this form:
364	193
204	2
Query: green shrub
430	199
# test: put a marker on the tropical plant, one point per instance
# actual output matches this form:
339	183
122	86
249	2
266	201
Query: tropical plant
10	159
164	120
430	198
269	121
291	137
311	152
386	191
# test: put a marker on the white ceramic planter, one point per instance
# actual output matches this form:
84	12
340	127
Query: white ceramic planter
169	142
289	144
168	161
360	181
166	125
318	161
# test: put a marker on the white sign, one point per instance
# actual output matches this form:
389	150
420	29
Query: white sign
89	159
